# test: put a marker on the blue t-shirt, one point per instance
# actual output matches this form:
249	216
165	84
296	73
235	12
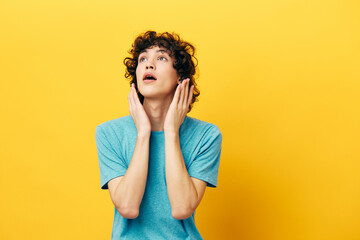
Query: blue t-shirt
201	148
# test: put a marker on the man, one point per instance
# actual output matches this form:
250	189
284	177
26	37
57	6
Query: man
157	161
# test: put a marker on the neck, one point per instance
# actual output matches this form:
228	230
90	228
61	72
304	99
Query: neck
156	110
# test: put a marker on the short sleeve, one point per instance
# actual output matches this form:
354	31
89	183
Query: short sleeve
110	163
205	166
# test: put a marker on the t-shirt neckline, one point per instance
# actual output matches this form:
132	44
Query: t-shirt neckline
162	132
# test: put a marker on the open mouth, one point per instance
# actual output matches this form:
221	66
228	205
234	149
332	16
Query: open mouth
149	76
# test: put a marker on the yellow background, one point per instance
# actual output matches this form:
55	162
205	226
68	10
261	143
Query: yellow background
280	78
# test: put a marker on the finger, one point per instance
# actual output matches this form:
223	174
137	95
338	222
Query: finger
129	95
130	98
177	93
185	103
191	93
136	99
130	91
135	96
181	97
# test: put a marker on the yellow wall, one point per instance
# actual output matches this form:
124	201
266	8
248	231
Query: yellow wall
280	78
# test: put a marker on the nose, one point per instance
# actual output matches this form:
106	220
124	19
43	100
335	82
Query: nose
149	65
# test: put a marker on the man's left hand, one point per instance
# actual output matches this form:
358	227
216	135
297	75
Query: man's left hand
179	107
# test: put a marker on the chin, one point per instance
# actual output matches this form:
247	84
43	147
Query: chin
149	92
154	93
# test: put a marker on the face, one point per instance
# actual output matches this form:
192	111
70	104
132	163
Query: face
155	74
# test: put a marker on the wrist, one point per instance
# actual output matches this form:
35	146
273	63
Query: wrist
144	134
171	132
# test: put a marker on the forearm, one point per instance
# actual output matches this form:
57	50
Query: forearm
181	190
130	190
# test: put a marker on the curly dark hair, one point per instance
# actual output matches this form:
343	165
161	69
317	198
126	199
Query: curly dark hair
182	52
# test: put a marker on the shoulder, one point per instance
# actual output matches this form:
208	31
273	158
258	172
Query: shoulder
119	125
194	123
117	122
200	127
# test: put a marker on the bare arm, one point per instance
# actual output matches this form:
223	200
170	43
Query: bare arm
185	193
127	191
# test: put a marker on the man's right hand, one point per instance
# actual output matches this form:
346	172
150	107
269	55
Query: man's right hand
138	113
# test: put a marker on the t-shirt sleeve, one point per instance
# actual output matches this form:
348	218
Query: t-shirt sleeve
205	166
110	163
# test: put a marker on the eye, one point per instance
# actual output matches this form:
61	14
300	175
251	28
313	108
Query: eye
163	58
142	59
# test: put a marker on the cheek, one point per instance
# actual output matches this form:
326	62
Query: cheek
137	73
173	74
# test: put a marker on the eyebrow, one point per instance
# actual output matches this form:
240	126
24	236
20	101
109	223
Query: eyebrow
160	50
